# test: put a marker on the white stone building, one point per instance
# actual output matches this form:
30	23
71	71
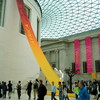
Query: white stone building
17	62
60	53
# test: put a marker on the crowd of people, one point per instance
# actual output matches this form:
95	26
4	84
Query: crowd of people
81	89
84	89
39	89
4	88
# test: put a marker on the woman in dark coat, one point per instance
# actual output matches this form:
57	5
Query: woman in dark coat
42	91
29	89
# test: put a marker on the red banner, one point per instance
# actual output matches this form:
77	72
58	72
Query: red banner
77	55
99	43
89	54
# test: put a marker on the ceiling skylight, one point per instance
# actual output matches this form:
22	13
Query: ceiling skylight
62	18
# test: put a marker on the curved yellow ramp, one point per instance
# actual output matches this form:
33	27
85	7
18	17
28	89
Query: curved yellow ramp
42	61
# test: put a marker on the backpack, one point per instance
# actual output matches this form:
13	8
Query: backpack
19	87
35	85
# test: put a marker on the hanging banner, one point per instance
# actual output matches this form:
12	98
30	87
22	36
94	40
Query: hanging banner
94	75
89	54
77	55
42	61
99	43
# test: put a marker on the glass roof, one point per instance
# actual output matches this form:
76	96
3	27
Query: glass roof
62	18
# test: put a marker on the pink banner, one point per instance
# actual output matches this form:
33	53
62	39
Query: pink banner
89	54
77	55
99	43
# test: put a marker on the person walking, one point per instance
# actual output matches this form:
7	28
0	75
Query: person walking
76	90
0	90
29	89
19	89
4	88
9	89
35	88
83	93
64	91
53	91
60	91
98	91
94	89
2	85
42	91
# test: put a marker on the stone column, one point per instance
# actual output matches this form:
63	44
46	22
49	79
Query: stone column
48	56
57	59
62	61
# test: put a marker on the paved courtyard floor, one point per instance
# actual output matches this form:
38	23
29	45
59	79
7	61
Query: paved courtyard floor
25	97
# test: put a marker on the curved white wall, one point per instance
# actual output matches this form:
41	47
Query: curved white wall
17	61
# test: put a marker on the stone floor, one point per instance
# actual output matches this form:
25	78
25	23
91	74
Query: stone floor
25	97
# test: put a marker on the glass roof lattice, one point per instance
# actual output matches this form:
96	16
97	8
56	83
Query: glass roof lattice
62	18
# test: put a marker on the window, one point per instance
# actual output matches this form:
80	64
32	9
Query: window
97	65
73	67
38	23
84	67
2	11
53	66
21	26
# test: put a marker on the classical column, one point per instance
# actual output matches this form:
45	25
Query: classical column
63	62
57	59
48	56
